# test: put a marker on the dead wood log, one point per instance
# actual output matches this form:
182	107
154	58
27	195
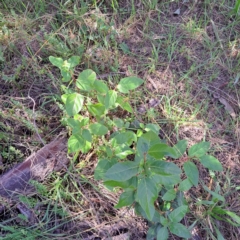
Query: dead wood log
52	157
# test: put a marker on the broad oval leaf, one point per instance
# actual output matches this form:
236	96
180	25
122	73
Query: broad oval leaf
126	199
98	129
76	143
58	62
129	83
185	185
163	168
211	163
169	195
122	171
74	61
178	214
87	135
147	193
86	80
191	172
74	103
179	230
102	167
100	86
158	150
127	138
162	233
110	99
180	148
124	104
199	149
97	109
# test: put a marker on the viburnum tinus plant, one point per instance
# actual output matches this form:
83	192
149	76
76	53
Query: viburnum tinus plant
134	160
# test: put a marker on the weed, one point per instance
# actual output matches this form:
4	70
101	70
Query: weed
90	115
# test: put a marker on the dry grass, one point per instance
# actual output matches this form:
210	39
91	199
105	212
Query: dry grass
190	62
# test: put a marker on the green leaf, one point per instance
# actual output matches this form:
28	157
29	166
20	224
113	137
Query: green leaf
129	83
100	87
158	150
119	123
124	104
97	109
152	127
74	61
199	149
167	180
74	103
211	163
122	171
102	167
86	80
124	152
191	172
76	143
169	195
87	135
162	233
185	185
179	230
66	75
75	125
110	99
147	193
127	138
58	62
126	199
180	148
98	129
178	214
130	183
163	168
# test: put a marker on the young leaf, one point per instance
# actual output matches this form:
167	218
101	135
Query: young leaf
110	99
185	185
178	214
58	62
147	193
169	195
162	233
86	80
191	172
180	148
76	143
122	171
98	129
66	75
179	230
126	199
96	109
124	104
73	61
129	83
74	103
211	163
199	149
129	184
